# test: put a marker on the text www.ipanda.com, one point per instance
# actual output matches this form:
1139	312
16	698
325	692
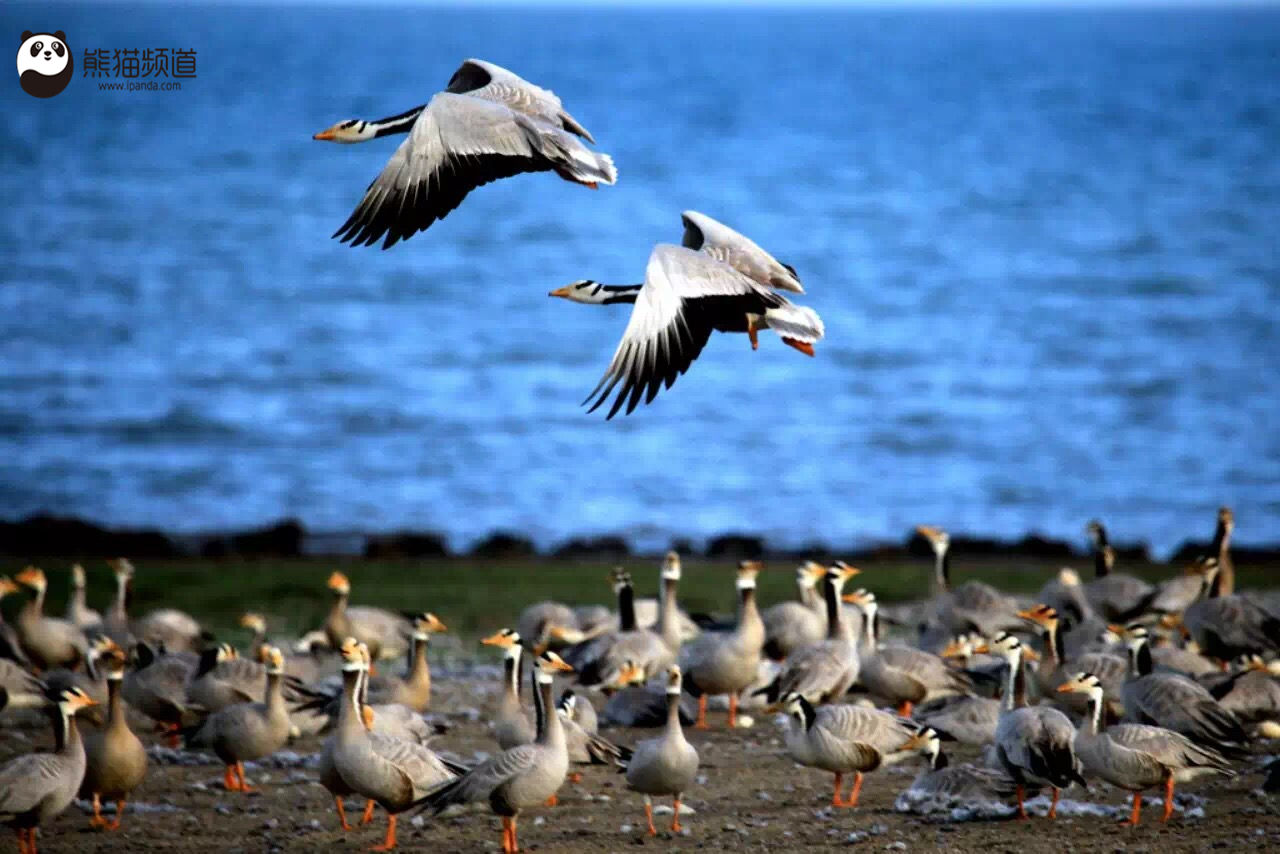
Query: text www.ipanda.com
140	86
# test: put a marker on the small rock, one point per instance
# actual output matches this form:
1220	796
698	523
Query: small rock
418	821
626	828
764	796
855	837
538	821
896	846
878	830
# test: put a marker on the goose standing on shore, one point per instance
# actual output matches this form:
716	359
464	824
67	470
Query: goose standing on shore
48	641
1034	743
487	124
1114	596
822	672
115	760
720	281
511	726
944	787
1137	756
383	632
80	614
791	625
666	765
10	646
727	662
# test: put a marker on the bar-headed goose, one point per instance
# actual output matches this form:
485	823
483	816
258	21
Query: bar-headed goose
48	641
973	606
414	688
668	764
157	687
718	281
1114	596
822	672
844	739
36	787
511	724
727	662
1054	666
1226	627
1173	701
78	613
641	704
116	762
10	645
943	787
902	675
246	731
598	659
522	777
1033	743
586	748
1136	756
791	625
487	124
382	631
1253	695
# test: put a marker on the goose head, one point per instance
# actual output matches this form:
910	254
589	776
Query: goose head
618	579
1133	635
1005	646
122	568
350	652
112	661
7	586
255	623
862	599
77	576
810	573
926	742
675	679
840	572
34	578
1097	533
1083	683
274	661
586	291
1068	577
549	664
339	584
938	539
505	638
671	567
747	572
348	131
568	704
1043	616
226	652
1226	519
425	624
961	646
72	700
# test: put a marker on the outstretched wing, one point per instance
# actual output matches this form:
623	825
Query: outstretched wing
714	238
686	295
482	79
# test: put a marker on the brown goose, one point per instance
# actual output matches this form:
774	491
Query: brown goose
414	688
48	641
511	725
116	762
379	629
791	625
36	787
666	765
824	671
727	662
525	776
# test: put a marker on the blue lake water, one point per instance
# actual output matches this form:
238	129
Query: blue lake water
1045	245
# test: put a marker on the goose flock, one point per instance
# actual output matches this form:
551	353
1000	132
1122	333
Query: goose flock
489	124
1055	695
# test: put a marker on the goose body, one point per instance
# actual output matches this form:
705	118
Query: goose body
667	764
844	739
726	662
37	787
383	632
791	625
943	787
719	280
511	724
10	645
487	124
586	747
822	672
47	641
598	660
1137	756
115	760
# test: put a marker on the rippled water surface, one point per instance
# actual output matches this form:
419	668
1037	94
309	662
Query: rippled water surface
1044	244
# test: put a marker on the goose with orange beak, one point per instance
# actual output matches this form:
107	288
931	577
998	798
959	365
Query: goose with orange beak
668	764
384	632
48	641
37	787
727	662
1136	757
943	787
522	777
511	724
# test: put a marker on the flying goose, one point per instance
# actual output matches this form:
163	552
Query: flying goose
790	625
668	764
943	787
487	124
726	662
843	739
719	280
116	762
822	672
36	787
525	776
1033	743
1173	701
902	675
1137	756
246	731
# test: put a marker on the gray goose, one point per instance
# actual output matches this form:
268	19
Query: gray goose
48	642
10	646
115	760
666	765
1114	596
1053	667
383	632
1033	743
597	660
943	787
1136	756
37	787
791	625
80	614
727	662
843	739
487	124
822	672
525	776
511	724
586	748
1226	627
970	607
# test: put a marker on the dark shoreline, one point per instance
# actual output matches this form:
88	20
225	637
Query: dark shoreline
44	535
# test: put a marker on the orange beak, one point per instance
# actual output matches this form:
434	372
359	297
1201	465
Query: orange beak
560	292
324	134
496	639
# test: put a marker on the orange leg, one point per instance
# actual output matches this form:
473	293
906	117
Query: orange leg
904	709
591	185
857	788
751	333
575	777
389	843
552	801
175	734
368	813
229	779
22	841
515	841
675	816
702	713
244	785
507	845
342	812
648	815
836	800
1053	807
1168	798
1137	810
733	711
115	825
97	820
802	346
1022	809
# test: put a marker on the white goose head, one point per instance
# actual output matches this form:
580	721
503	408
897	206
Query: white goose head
348	131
